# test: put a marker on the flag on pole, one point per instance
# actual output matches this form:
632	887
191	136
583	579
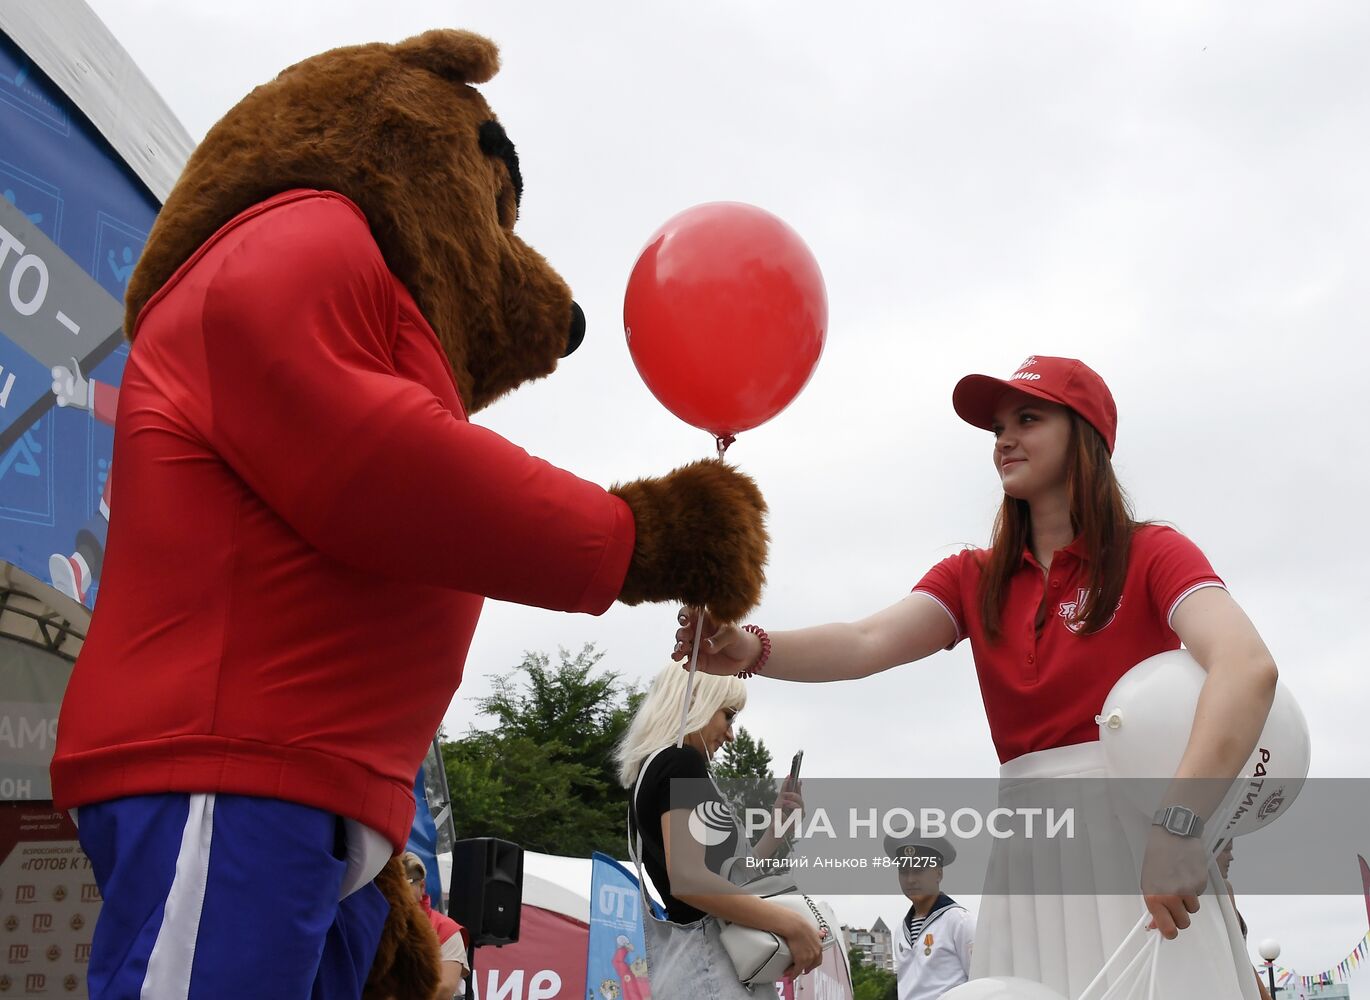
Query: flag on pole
616	959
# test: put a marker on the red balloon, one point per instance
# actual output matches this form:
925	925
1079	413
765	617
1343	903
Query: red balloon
726	315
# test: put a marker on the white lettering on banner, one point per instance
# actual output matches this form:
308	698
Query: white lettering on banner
28	263
8	243
544	986
6	387
617	901
511	990
29	732
1030	813
12	789
28	296
826	987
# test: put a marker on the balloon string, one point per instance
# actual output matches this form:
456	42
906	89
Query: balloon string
690	681
723	441
1101	980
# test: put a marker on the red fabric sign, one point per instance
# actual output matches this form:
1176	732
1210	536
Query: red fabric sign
547	963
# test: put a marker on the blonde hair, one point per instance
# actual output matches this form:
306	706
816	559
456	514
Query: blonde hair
657	722
413	865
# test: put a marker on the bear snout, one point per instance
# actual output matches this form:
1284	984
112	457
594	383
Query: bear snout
577	334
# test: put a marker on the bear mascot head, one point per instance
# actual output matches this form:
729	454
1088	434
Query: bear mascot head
400	131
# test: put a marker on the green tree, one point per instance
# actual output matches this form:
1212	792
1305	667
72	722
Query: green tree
743	772
869	982
543	775
744	757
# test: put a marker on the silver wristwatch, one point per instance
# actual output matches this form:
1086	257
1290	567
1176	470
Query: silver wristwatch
1178	820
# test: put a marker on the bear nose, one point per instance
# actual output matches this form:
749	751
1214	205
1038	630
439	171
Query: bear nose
577	333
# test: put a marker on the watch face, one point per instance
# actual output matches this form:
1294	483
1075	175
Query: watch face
1179	821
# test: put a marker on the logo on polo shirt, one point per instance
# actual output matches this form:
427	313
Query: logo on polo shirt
1068	608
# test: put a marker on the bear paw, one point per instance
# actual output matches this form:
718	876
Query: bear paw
701	539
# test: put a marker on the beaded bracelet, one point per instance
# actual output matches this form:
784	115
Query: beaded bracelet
760	633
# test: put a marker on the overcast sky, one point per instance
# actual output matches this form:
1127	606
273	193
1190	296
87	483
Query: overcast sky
1173	191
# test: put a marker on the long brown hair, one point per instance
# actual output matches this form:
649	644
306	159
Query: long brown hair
1100	514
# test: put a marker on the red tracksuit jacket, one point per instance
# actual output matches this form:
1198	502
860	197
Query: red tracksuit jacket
306	525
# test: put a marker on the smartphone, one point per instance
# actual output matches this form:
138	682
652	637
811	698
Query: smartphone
792	782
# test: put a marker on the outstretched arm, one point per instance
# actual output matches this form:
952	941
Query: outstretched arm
916	627
290	377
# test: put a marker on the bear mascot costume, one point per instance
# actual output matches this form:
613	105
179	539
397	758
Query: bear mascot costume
332	288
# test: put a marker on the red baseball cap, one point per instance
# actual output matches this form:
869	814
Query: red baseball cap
1067	381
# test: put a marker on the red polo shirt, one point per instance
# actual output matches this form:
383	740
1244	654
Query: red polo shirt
1043	690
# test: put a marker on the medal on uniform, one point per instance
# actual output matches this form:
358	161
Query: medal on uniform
927	945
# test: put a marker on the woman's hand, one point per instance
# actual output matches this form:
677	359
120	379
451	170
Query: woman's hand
803	940
724	651
1174	874
787	804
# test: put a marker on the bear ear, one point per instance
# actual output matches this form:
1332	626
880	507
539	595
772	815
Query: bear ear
461	56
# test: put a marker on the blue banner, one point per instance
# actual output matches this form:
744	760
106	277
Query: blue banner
73	221
423	841
616	958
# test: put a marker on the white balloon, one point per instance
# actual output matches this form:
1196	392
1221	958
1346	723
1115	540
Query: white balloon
1274	776
1002	988
1144	728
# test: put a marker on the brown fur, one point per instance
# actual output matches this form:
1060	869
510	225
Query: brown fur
407	964
396	129
701	539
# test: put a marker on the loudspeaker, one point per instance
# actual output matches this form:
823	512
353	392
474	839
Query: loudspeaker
486	893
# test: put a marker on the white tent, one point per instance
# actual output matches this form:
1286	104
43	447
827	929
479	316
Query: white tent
553	883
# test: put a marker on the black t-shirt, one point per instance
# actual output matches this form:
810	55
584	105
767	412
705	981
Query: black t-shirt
654	800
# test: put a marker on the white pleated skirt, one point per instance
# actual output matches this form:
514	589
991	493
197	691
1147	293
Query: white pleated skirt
1063	941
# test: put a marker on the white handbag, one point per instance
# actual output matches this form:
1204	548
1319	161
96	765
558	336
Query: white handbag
763	956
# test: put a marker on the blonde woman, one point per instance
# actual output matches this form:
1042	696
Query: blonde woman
684	954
